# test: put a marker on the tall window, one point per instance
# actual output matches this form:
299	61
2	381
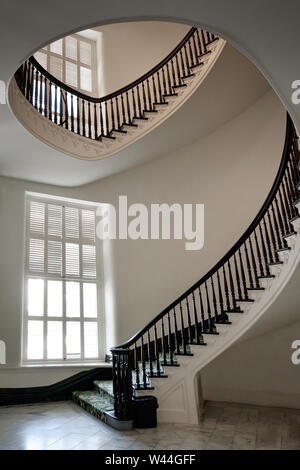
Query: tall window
72	60
62	315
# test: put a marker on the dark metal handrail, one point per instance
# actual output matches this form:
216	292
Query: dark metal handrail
207	303
128	87
98	118
232	250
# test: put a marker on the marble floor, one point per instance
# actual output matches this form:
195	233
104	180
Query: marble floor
65	426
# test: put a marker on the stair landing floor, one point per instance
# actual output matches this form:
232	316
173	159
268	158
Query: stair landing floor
65	426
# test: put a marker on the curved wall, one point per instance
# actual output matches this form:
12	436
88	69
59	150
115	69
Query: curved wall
125	51
267	35
229	170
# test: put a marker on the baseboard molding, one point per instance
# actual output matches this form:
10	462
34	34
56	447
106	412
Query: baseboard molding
61	390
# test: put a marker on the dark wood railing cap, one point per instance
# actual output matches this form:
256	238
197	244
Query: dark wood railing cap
236	246
122	90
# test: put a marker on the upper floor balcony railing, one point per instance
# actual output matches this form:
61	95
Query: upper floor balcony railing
104	118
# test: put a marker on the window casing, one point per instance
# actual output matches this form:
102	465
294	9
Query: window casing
72	60
63	311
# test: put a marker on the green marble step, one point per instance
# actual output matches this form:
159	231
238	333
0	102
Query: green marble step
105	389
94	403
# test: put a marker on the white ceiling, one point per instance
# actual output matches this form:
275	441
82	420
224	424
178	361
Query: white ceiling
232	86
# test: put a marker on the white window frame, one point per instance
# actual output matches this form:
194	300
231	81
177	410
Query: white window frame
93	66
100	320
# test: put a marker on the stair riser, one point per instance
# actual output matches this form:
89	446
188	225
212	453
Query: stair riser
91	410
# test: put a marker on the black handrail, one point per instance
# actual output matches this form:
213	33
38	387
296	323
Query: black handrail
232	250
99	118
128	87
218	293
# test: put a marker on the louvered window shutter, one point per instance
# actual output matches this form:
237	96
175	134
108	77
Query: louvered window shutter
61	240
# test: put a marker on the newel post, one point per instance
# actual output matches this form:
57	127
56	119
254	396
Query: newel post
122	382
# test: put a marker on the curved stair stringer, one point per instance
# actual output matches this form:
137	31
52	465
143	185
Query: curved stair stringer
177	394
81	147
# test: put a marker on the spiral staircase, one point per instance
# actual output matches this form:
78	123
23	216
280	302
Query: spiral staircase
166	356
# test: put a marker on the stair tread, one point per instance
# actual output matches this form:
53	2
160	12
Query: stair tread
269	276
142	118
180	86
170	94
190	75
105	386
130	125
290	234
92	402
121	131
156	376
169	364
196	65
297	202
111	137
233	311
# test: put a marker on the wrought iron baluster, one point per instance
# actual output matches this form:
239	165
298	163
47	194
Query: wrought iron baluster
150	354
214	298
210	320
171	348
232	287
189	331
243	276
259	257
183	338
176	331
264	249
197	325
143	363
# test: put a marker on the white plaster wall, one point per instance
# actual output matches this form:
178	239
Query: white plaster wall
128	50
257	371
230	171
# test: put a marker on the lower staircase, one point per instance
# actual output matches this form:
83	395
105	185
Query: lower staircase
166	356
98	401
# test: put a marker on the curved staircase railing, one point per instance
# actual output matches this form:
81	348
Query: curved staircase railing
207	303
99	118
